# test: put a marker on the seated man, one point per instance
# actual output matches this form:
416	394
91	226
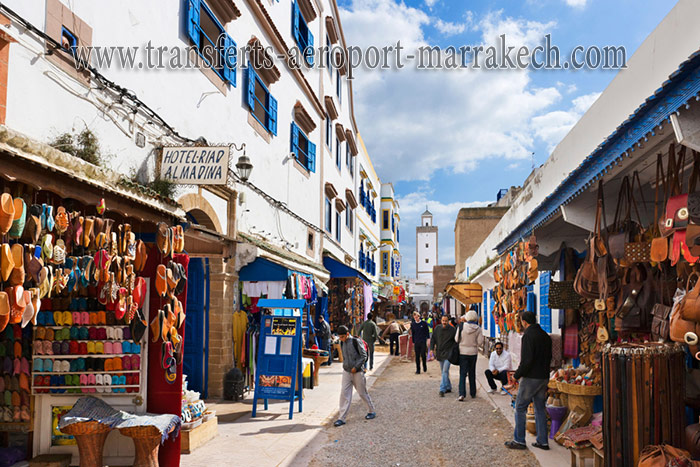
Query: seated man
500	364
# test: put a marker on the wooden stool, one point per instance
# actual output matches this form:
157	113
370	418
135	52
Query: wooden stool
579	456
599	459
146	443
340	352
90	437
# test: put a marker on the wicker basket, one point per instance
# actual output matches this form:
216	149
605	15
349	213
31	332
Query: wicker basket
90	437
85	428
147	431
579	390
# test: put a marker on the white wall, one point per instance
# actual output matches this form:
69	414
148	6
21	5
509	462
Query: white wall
672	42
425	269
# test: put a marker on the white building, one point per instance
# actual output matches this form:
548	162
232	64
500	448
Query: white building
368	233
390	260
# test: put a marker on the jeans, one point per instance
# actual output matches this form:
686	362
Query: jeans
326	345
502	376
467	366
420	348
393	340
531	390
370	355
445	384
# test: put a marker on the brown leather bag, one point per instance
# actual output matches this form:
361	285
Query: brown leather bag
678	326
664	455
692	439
689	307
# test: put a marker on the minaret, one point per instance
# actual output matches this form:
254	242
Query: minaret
426	248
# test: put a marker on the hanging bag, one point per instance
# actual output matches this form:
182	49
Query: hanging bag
659	243
454	355
638	249
689	308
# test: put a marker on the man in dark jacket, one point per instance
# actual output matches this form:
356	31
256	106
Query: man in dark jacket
533	373
323	332
419	337
441	344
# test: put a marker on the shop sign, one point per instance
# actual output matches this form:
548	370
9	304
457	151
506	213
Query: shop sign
191	165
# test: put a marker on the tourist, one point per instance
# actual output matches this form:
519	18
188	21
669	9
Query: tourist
442	342
394	331
369	332
354	357
533	373
500	363
469	338
419	337
323	333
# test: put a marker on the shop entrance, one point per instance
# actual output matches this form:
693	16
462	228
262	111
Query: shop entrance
196	352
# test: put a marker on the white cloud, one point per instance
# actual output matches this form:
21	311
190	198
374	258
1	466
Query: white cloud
450	29
430	3
553	126
577	3
420	120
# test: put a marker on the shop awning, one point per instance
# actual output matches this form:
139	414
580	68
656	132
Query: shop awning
263	270
286	259
340	270
466	292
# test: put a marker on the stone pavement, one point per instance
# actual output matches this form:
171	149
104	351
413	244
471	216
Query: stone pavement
271	439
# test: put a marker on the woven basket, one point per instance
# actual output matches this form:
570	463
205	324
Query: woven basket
579	390
141	432
85	428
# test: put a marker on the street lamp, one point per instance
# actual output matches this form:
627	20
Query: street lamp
244	167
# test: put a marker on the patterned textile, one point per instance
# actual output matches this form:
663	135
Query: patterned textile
556	350
93	409
571	341
579	437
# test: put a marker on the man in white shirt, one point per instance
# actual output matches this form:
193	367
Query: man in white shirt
500	364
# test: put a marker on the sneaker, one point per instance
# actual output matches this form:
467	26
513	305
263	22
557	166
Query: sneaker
339	423
460	398
504	392
544	447
417	372
373	415
442	394
514	445
490	391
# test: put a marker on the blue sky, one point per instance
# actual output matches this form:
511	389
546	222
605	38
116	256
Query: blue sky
452	139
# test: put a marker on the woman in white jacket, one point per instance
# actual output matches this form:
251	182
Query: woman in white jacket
469	338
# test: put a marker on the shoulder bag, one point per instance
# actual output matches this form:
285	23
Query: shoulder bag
454	355
664	455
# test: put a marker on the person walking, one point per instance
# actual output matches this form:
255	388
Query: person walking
369	333
323	332
419	337
354	357
469	338
442	343
533	373
500	363
394	331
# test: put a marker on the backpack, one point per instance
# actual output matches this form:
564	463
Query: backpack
357	348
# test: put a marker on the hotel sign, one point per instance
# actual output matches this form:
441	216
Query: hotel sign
191	165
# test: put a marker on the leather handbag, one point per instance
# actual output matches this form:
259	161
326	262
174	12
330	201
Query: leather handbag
678	326
597	277
692	440
689	308
635	300
660	321
562	296
664	455
676	212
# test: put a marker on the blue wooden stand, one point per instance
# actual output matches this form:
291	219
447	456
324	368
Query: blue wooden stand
279	353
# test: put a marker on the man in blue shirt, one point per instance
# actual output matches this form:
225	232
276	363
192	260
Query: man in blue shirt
419	336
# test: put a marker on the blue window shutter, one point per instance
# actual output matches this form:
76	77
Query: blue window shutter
295	21
310	48
251	88
230	59
193	21
294	140
312	157
272	122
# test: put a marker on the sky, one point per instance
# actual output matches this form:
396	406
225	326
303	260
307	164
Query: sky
449	139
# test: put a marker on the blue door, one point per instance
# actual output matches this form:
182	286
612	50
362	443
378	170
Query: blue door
545	312
196	335
492	321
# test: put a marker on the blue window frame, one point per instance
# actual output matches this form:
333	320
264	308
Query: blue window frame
329	216
261	103
338	86
338	230
361	257
302	34
337	154
213	44
397	235
71	39
329	131
545	311
393	224
303	149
